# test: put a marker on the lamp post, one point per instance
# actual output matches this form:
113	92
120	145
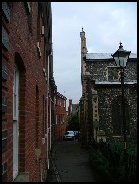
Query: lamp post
90	111
121	56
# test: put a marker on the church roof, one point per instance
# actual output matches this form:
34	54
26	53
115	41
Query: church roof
105	55
115	82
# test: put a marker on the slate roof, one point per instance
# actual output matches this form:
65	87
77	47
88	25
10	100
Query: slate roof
113	82
105	55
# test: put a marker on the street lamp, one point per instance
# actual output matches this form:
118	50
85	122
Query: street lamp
121	56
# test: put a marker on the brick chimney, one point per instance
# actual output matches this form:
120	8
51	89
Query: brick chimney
70	107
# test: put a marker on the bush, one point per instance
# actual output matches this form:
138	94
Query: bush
117	173
99	163
109	162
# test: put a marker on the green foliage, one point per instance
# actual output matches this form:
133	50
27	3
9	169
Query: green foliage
132	149
73	123
117	173
108	160
100	163
118	147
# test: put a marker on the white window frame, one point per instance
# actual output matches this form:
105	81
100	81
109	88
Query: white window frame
15	122
15	94
56	119
6	10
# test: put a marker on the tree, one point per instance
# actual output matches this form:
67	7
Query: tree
73	123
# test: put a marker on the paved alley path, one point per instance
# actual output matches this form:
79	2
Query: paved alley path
72	162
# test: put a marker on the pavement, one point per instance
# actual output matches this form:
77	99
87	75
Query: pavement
70	163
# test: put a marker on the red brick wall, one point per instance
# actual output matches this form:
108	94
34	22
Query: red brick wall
70	107
61	115
23	42
6	118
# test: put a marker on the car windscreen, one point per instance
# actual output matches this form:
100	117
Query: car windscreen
71	134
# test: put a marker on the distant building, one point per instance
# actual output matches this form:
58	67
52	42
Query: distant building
75	109
100	103
70	108
61	116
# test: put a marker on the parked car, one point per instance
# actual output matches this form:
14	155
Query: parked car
77	134
69	135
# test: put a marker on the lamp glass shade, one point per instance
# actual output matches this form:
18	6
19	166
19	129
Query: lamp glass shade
121	56
121	61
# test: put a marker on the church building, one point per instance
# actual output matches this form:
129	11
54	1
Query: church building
101	114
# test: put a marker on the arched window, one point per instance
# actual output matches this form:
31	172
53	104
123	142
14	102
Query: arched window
19	87
117	116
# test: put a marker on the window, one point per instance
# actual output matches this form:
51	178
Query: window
27	7
112	73
128	91
56	119
4	71
5	38
15	94
64	103
39	49
55	100
4	104
6	10
15	122
39	23
4	172
117	116
28	11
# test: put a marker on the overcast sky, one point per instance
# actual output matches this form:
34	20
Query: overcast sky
105	25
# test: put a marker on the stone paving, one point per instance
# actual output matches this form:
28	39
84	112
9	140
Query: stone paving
70	163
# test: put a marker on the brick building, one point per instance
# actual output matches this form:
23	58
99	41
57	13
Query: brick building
61	116
28	90
100	104
52	112
75	109
70	107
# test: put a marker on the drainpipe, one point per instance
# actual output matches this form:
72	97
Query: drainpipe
47	112
50	122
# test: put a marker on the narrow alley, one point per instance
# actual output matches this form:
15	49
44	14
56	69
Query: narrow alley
71	163
69	92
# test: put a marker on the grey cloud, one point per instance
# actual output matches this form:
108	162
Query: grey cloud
105	24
